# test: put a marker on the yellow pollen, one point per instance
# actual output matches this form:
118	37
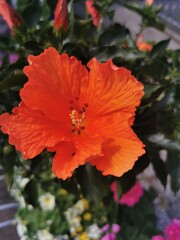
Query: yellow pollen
77	118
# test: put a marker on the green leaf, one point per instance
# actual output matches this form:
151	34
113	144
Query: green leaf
152	93
127	181
149	15
159	166
91	181
16	78
159	48
8	162
141	164
52	4
114	35
162	141
33	47
30	7
31	192
45	10
173	167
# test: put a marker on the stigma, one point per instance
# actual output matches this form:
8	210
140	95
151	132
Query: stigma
77	115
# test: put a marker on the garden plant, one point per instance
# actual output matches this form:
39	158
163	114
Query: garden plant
90	122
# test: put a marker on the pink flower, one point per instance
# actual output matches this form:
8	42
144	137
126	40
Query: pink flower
173	230
13	57
61	18
110	232
9	15
109	236
116	228
105	228
131	197
95	14
158	237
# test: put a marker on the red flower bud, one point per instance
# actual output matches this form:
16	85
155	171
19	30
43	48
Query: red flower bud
9	14
93	12
61	15
149	2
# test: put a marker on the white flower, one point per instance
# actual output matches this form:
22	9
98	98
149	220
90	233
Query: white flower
72	230
29	207
44	235
94	232
21	230
79	206
18	196
23	182
63	237
22	202
75	222
47	201
71	213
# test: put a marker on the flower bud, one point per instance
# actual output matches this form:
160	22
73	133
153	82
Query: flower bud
61	15
9	14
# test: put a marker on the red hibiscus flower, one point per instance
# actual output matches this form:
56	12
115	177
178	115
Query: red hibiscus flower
9	15
82	116
95	14
61	18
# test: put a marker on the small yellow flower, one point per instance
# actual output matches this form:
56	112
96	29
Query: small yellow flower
79	218
83	236
79	229
85	203
63	192
87	216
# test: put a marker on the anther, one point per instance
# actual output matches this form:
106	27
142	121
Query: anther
73	153
86	105
71	108
71	102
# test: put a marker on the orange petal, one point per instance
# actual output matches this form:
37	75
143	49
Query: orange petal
71	155
31	132
61	18
111	89
122	148
54	80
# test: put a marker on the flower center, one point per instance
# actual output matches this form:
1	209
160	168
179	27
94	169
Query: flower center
77	115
